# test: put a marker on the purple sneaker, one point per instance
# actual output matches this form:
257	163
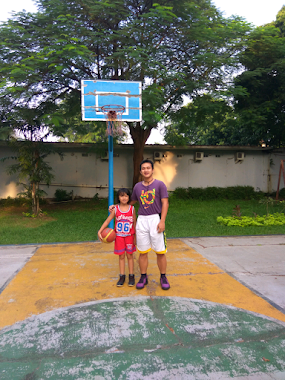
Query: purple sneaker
142	282
164	283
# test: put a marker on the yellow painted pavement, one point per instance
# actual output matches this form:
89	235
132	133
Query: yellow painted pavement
67	274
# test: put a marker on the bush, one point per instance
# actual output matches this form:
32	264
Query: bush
17	202
61	195
96	197
211	193
180	193
243	192
277	219
195	193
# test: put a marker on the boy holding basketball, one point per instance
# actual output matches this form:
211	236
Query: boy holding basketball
125	224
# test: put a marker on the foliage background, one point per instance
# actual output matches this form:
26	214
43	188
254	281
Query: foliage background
80	221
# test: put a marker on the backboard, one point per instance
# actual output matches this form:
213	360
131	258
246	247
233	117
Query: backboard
98	93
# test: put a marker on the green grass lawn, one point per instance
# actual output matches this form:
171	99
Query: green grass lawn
80	221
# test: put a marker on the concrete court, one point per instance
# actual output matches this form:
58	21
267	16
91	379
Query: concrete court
62	316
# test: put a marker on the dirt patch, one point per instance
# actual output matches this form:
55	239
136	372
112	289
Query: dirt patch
36	222
81	205
13	216
17	210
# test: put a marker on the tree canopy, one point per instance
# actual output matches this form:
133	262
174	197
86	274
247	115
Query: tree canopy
261	103
176	49
252	110
205	121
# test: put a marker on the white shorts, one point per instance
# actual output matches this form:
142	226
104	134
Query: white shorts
147	236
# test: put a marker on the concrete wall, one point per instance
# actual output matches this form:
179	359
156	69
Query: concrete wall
217	168
8	183
86	173
220	167
79	169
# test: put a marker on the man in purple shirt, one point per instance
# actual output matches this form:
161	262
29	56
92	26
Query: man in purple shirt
153	206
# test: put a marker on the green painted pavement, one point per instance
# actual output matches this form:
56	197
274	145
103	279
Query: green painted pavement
144	338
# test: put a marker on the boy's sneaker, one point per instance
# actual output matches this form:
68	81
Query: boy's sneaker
121	280
142	282
131	280
164	283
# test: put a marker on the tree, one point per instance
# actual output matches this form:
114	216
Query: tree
261	103
31	153
205	121
175	48
32	169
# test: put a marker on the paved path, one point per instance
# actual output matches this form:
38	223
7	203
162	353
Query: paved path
12	259
62	316
258	262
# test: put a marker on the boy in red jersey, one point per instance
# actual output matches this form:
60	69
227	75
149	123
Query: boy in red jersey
125	223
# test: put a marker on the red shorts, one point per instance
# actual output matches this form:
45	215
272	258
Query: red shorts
124	244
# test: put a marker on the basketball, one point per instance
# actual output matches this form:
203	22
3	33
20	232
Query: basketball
108	235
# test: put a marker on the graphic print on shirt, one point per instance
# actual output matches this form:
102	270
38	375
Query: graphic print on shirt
124	225
147	198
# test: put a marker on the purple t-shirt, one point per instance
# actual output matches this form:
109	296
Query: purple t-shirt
149	197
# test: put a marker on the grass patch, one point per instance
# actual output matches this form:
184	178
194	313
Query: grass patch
199	218
65	222
80	221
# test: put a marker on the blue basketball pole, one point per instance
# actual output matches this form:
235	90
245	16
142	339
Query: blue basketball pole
111	171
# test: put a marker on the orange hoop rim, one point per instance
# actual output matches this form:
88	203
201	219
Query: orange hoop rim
113	107
113	115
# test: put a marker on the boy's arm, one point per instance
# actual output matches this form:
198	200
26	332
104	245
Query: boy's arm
161	224
105	224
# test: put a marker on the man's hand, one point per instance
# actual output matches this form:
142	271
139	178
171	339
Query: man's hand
111	208
161	226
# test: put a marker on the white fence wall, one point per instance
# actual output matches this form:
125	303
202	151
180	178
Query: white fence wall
85	173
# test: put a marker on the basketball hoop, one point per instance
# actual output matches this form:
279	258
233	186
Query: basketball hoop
113	115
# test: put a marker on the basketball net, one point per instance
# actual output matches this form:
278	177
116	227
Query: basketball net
113	115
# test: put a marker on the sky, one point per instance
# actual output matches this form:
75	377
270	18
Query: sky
256	12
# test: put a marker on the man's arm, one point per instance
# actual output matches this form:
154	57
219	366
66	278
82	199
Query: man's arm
161	224
135	222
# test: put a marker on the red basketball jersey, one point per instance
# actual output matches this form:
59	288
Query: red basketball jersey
124	224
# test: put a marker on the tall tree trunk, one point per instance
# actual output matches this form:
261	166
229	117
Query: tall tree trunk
38	199
139	136
34	199
35	186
